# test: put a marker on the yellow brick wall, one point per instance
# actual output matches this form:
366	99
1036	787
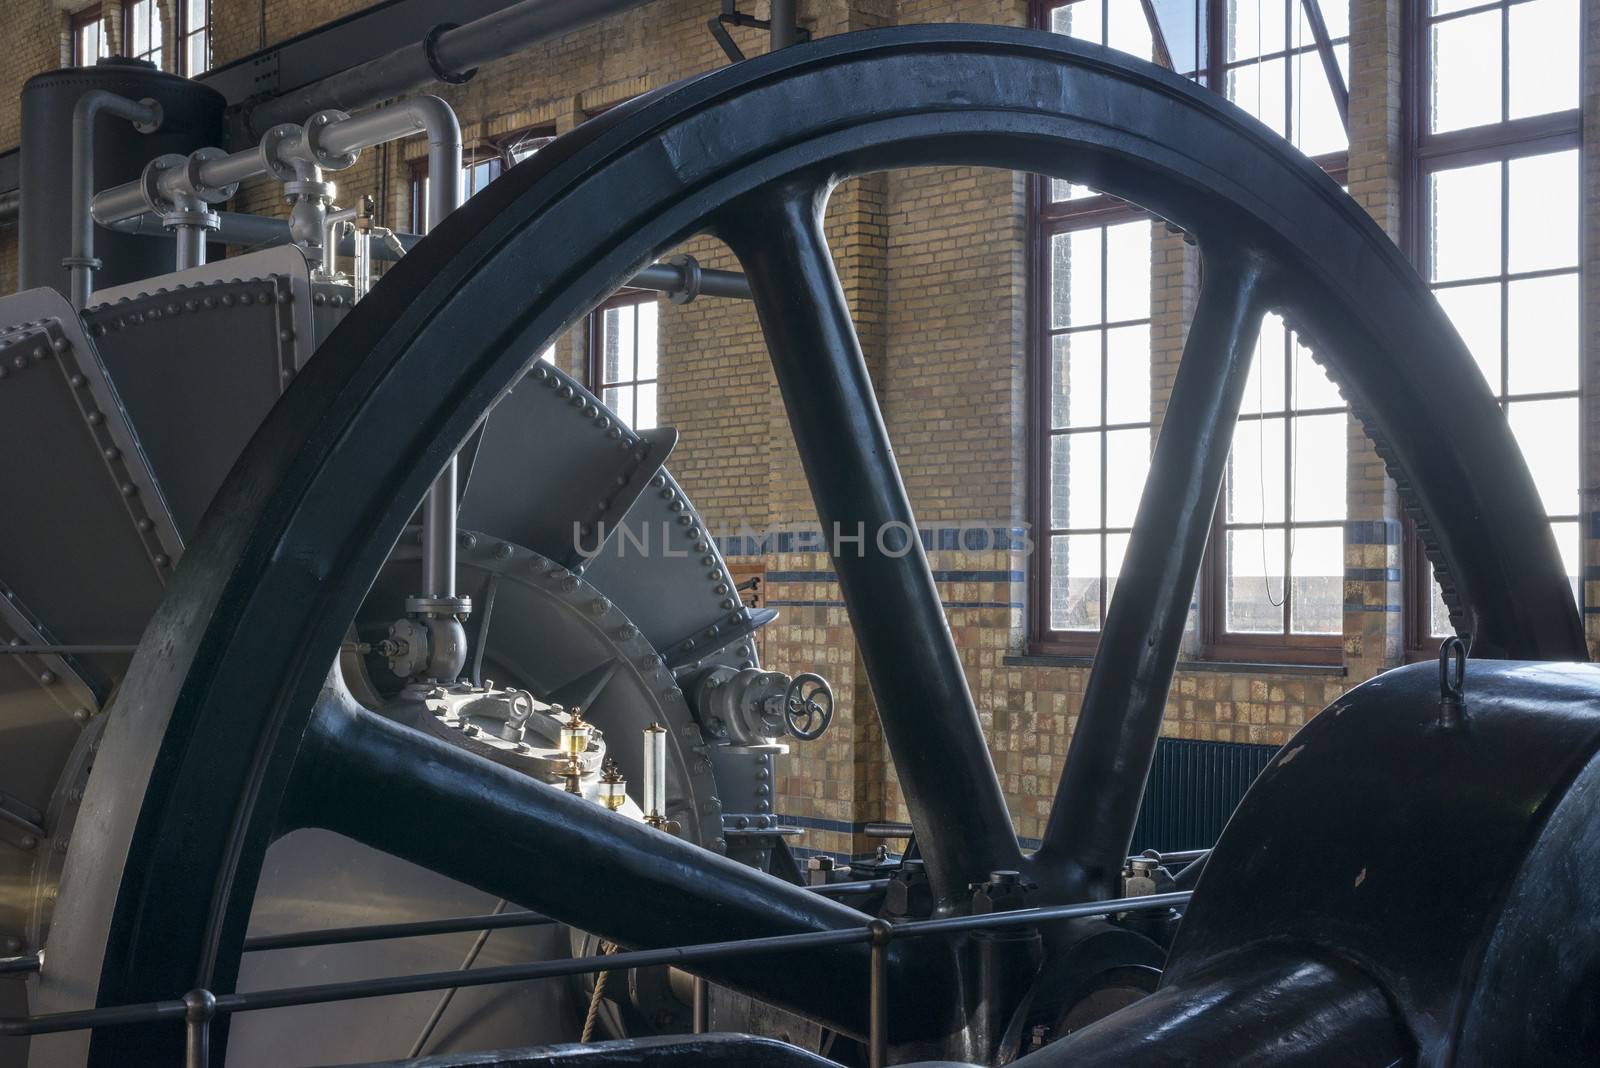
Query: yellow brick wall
933	262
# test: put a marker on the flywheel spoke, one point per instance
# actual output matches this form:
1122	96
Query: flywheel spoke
929	721
437	805
1097	801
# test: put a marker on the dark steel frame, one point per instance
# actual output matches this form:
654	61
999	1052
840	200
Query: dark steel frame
1427	152
228	709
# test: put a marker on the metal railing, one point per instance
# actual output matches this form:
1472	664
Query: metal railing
199	1007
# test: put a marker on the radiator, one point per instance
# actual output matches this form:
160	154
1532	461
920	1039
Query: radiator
1193	788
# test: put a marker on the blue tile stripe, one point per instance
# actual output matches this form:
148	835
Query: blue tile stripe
1372	532
967	538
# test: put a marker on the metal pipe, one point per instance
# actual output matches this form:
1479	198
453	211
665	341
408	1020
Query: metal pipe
924	703
146	117
191	246
23	965
1085	842
199	1008
679	956
878	991
378	932
448	54
784	30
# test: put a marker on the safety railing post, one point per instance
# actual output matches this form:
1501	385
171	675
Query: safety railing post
199	1008
878	994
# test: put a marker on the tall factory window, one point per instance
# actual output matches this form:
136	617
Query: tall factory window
1275	587
142	30
623	366
1494	228
194	37
89	42
1271	64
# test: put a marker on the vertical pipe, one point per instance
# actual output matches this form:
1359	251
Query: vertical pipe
191	246
702	1007
783	24
200	1007
444	196
878	995
146	117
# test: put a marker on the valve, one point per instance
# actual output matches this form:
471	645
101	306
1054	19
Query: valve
808	707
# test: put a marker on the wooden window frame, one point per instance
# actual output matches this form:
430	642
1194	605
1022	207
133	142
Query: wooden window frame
184	32
81	21
1426	153
159	43
594	369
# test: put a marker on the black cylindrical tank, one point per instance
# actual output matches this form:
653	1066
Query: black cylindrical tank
191	119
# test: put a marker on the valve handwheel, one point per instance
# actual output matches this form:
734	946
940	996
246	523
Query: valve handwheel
808	707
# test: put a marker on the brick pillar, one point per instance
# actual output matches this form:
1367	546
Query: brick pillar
1374	636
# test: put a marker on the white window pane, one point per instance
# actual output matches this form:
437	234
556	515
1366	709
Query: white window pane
1255	472
1312	388
1116	549
549	354
1547	432
1075	379
1128	374
1317	127
1465	223
1075	582
645	416
1475	311
1544	212
1335	16
1438	614
196	14
1127	464
1571	546
1255	27
1128	30
1082	19
1254	595
1075	284
1466	72
617	331
197	54
140	17
1075	481
1543	55
1263	390
1316	569
1445	7
1060	190
620	401
1542	334
648	333
1127	272
1259	89
1319	446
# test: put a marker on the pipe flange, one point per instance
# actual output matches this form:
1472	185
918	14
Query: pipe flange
200	217
94	263
692	277
271	149
430	52
438	606
315	127
150	181
312	190
157	115
211	194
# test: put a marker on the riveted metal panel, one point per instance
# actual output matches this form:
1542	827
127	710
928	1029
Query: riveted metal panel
201	359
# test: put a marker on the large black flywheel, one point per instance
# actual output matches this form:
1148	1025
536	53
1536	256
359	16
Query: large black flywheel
229	731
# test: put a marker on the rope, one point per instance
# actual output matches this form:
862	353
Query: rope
606	949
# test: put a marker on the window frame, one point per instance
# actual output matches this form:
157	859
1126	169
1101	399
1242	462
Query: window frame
81	21
182	32
1426	153
594	363
493	150
159	46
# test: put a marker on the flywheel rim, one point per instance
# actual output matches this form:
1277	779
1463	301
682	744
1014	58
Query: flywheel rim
240	645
